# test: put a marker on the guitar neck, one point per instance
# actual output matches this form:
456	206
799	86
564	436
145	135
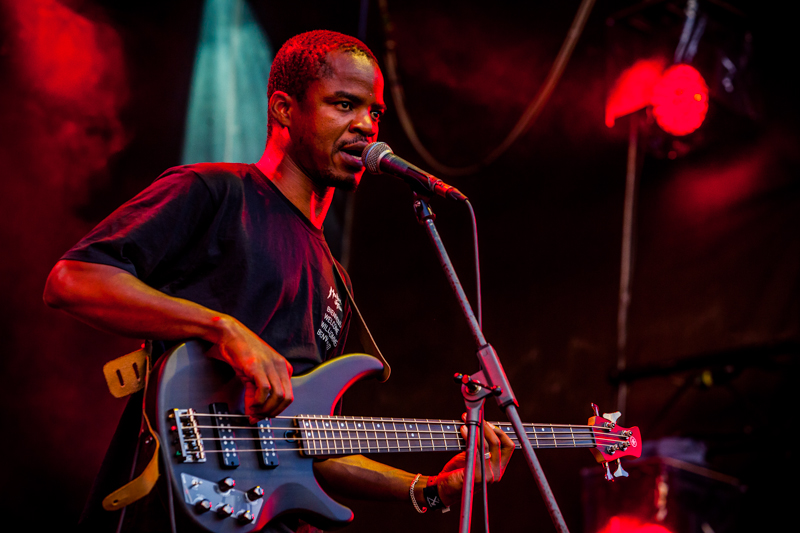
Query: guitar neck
340	435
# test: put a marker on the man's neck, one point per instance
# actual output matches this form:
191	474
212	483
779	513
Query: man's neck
312	200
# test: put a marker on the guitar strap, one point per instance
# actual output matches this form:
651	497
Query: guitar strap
358	326
140	486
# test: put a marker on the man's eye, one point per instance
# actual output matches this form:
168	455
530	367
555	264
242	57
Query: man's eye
347	106
376	116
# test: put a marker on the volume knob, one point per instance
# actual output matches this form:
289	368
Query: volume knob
227	484
255	493
245	517
203	506
225	510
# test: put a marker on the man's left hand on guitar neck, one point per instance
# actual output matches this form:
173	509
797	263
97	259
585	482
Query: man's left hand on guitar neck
451	480
356	476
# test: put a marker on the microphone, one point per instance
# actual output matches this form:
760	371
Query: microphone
379	159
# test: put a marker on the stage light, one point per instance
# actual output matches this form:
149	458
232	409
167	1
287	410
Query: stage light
633	90
678	96
680	100
627	524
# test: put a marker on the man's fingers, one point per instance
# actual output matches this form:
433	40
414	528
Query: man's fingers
281	388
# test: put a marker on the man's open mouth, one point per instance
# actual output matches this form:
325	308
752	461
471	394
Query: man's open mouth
352	153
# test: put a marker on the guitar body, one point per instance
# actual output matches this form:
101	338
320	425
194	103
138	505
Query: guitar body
186	378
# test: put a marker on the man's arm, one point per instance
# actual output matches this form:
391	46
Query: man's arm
113	300
356	476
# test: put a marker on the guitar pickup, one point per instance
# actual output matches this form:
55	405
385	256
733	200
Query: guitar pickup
229	457
266	440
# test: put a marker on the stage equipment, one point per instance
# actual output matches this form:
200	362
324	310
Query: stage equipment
662	495
641	38
491	380
673	60
380	159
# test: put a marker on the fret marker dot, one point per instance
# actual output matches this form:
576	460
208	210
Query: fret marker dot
359	425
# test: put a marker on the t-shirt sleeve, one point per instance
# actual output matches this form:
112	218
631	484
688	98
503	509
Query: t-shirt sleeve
151	229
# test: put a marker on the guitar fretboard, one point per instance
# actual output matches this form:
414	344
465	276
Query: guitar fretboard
331	435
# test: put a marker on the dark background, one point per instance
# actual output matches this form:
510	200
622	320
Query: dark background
93	103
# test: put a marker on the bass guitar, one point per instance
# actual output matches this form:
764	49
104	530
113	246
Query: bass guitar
230	476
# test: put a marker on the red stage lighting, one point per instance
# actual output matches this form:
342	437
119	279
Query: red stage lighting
680	100
633	90
626	524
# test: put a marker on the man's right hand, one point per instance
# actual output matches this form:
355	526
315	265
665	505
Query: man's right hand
266	374
114	300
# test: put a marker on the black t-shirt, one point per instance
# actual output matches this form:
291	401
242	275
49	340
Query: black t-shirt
223	236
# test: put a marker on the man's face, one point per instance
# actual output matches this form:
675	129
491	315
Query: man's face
337	118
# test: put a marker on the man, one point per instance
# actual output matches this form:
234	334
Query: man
234	254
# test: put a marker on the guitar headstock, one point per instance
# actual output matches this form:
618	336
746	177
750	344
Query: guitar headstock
613	441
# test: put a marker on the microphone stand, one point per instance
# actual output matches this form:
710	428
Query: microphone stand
490	380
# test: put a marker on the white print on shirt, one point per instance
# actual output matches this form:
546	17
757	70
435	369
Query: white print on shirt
331	322
336	300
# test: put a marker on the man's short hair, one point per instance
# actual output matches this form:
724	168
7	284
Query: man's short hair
303	60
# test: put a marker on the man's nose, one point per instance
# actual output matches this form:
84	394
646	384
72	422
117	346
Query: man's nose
365	125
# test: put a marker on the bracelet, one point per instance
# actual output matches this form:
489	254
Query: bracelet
431	494
422	510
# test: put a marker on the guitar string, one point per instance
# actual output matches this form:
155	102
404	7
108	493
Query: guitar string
399	434
396	437
530	430
564	440
373	419
393	420
395	434
345	451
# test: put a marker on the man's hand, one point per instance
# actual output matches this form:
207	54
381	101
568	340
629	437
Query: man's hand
265	373
451	479
112	299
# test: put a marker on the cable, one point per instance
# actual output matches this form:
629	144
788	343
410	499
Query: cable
533	110
477	265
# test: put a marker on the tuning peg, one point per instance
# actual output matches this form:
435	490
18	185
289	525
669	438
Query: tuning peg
619	472
608	475
612	417
596	409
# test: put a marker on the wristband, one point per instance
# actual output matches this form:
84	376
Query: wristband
422	510
431	495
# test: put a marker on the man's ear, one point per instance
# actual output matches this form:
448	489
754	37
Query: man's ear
281	106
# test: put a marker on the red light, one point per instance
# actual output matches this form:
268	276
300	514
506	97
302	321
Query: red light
626	524
633	90
680	100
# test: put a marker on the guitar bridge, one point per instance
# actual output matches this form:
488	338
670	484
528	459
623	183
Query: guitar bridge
189	440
